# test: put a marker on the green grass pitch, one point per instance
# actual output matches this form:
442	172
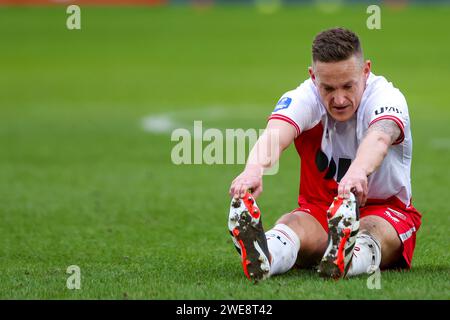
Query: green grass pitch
81	182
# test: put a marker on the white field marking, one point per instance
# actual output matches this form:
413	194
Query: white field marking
329	6
268	6
440	143
165	123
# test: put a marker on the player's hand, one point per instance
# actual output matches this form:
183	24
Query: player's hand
250	178
355	180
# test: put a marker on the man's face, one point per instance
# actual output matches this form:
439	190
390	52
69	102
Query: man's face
341	85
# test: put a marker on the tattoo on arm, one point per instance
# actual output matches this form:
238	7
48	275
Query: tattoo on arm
388	127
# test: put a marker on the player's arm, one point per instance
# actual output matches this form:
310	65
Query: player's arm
265	153
369	156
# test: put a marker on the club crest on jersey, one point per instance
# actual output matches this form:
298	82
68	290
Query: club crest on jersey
283	103
387	109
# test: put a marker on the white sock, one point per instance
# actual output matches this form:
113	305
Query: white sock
366	255
284	245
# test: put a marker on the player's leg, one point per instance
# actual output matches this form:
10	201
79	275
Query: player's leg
275	251
308	233
377	246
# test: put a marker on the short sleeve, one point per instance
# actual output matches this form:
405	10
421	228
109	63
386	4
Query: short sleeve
389	105
298	107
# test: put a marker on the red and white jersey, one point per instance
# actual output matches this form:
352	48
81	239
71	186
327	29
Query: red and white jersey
327	147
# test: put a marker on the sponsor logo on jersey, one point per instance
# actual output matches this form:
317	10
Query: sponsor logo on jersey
387	109
283	103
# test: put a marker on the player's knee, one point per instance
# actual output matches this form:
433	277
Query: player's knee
313	239
294	221
375	226
381	230
287	219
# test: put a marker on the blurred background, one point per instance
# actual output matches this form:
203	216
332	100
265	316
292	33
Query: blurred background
86	116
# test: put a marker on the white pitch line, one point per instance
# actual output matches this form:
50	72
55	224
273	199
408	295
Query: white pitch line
162	123
165	123
440	143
